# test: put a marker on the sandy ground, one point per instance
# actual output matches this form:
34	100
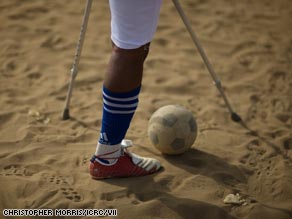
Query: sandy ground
44	160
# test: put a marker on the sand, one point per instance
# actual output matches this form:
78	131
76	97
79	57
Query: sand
44	160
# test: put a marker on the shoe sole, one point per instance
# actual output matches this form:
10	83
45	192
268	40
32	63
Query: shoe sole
112	177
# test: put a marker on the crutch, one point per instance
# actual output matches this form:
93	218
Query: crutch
74	70
235	117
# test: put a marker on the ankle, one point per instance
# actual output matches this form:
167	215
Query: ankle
108	152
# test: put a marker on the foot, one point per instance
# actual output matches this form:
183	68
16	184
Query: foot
127	164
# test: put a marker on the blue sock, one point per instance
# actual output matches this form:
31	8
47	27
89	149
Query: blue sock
118	111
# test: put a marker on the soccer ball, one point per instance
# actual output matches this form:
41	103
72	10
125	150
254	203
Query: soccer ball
172	129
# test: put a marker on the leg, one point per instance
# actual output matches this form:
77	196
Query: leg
133	25
125	68
122	81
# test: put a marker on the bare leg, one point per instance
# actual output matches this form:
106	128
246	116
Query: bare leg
125	69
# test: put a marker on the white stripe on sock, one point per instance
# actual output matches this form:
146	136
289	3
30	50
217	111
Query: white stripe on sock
119	111
120	99
120	105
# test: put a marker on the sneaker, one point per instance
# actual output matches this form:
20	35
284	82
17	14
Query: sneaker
126	165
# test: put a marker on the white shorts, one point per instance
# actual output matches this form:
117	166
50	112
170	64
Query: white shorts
133	22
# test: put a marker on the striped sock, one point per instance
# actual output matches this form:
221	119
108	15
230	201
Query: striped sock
118	111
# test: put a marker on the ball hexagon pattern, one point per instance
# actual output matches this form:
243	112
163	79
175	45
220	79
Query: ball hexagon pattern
172	129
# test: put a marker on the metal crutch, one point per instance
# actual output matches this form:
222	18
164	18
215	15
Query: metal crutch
234	116
74	70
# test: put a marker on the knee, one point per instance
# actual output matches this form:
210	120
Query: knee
139	54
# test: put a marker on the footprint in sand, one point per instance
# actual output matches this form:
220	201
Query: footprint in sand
71	194
265	179
263	168
15	170
67	190
254	154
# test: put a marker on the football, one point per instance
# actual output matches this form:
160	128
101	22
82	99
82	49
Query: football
172	129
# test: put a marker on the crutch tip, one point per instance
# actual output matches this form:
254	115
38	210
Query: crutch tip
66	114
235	117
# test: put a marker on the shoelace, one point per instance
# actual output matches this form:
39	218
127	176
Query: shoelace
124	145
